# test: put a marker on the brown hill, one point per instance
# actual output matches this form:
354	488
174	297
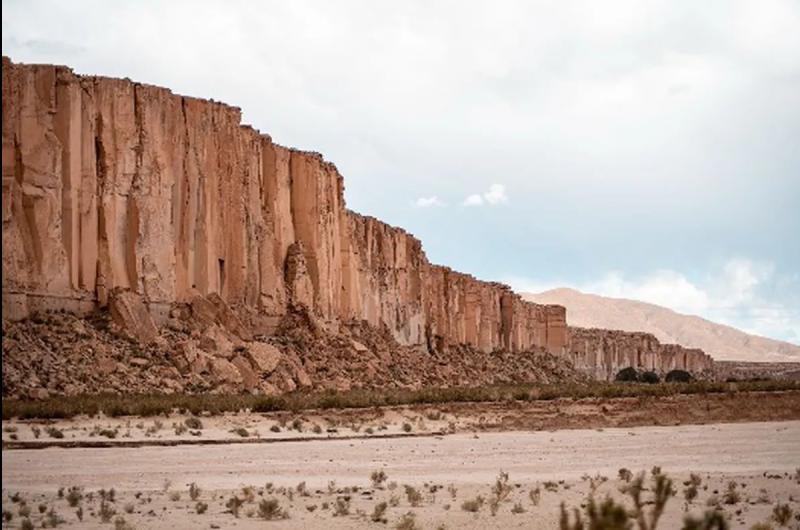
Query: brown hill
720	341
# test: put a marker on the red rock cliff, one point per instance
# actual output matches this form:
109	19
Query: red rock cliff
113	184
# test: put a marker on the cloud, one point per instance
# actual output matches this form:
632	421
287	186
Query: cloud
495	195
473	200
427	202
735	294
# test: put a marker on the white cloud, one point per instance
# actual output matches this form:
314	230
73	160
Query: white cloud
495	195
427	202
473	200
732	294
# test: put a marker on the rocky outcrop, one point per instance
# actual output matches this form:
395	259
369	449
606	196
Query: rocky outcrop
113	187
601	353
110	184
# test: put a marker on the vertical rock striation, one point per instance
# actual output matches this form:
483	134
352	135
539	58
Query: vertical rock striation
112	185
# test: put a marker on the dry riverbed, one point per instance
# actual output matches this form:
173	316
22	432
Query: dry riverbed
328	484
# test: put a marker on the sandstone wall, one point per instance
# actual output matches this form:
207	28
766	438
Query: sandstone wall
112	184
602	353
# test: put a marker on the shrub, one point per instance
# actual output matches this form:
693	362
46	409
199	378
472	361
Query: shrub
535	495
193	422
517	509
201	507
413	495
678	376
407	427
233	504
53	432
241	431
473	505
710	520
379	513
194	491
378	478
26	524
625	474
606	515
270	509
732	495
74	496
341	506
650	378
106	511
627	375
782	514
407	522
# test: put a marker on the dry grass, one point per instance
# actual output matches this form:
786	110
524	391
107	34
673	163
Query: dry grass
159	404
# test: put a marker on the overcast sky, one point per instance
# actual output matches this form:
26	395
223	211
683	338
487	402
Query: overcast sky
646	150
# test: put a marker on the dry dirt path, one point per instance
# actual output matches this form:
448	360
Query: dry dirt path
743	452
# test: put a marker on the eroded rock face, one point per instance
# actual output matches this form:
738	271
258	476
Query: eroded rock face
602	353
111	186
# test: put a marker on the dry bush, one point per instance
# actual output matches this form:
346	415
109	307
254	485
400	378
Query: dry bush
379	513
234	504
378	478
413	495
342	506
194	491
782	514
270	510
407	522
201	507
473	505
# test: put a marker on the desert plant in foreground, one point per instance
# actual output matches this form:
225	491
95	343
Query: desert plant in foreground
379	513
413	495
106	511
26	524
194	491
473	505
233	504
710	520
270	510
7	516
74	496
608	515
200	507
53	432
732	495
782	514
407	522
535	495
407	427
378	478
762	526
517	508
241	431
193	422
121	524
341	506
625	474
501	488
662	491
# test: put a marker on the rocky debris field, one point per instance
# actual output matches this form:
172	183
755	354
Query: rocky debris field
205	346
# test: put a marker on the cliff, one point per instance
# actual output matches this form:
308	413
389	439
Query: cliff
111	184
119	193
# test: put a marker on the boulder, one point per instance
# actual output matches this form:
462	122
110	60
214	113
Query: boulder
264	357
131	315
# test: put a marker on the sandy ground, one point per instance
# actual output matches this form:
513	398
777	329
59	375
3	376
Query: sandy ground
152	482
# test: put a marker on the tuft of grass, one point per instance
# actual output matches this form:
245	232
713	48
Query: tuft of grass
241	431
413	495
74	496
193	422
408	521
473	505
378	478
270	510
732	495
53	432
194	491
106	511
379	513
782	514
342	506
234	504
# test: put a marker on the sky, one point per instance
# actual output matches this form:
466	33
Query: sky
638	149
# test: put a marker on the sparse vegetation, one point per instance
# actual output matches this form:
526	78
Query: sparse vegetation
233	505
407	522
149	405
782	514
106	511
473	505
74	496
413	495
193	422
379	513
200	507
378	478
625	474
535	494
52	432
194	491
341	506
270	510
732	495
26	524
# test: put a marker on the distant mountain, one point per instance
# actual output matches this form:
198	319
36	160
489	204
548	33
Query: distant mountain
720	341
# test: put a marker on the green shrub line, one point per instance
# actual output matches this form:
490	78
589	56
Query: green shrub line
156	404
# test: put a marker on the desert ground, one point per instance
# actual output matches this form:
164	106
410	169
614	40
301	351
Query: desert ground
461	465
